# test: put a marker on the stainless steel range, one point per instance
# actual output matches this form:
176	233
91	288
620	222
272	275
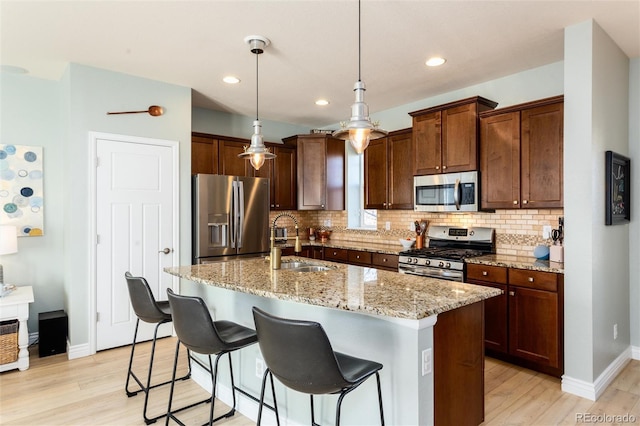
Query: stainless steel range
448	247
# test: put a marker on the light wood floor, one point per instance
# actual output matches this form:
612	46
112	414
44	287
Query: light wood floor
89	391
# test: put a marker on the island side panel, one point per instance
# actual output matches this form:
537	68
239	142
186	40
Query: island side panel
398	345
459	366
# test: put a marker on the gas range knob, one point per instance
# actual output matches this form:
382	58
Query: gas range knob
441	264
427	262
447	265
415	260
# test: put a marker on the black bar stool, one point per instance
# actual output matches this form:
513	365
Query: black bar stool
148	310
300	355
199	333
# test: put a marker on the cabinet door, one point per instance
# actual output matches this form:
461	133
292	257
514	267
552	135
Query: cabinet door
283	184
358	257
376	164
400	179
229	162
533	325
460	139
427	154
204	155
312	173
542	172
385	261
500	161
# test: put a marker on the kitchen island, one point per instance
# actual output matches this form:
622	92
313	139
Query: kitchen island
426	332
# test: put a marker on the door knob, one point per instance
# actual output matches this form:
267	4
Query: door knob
166	250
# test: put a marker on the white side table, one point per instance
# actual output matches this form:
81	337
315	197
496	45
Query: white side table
15	305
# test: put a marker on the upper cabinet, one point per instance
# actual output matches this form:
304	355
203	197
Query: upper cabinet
212	154
320	165
445	137
388	175
521	151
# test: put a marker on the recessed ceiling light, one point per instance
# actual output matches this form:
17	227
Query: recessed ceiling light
435	61
231	79
322	102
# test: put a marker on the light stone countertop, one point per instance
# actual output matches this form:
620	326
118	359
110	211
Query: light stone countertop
520	262
346	287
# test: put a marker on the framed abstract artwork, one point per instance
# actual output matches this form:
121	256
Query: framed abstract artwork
21	189
617	190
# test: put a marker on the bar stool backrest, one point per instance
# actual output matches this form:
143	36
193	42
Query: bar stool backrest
193	324
144	304
299	354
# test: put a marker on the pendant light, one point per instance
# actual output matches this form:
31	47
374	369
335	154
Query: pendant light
257	153
359	130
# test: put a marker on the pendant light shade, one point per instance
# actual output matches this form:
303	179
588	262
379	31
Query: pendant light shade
257	153
359	130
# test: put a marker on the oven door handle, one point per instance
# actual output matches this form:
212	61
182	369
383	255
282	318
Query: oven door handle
456	194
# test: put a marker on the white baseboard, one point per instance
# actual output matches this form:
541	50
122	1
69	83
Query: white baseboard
33	338
635	352
78	351
594	390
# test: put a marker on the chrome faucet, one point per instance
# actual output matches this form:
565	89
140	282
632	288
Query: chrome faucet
275	251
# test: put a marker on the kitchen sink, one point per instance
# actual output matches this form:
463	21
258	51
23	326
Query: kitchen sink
304	267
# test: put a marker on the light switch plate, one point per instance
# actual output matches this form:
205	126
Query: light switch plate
546	232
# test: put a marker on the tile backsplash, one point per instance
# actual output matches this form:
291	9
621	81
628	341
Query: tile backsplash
518	232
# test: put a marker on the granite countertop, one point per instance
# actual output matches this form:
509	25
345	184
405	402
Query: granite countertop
346	287
520	262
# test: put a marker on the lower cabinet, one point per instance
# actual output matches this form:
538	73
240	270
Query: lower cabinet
387	262
525	324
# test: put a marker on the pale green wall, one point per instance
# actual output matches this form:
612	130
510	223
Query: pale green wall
634	226
596	256
31	114
226	124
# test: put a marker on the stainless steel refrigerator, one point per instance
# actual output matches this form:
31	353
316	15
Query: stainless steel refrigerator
230	217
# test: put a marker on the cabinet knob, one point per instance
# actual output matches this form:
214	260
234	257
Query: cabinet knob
384	260
444	167
357	256
334	253
277	205
384	204
530	279
512	293
515	202
485	273
272	205
437	167
525	202
322	205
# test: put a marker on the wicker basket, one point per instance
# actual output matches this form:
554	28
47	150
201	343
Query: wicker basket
8	341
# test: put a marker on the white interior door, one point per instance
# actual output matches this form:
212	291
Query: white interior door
135	225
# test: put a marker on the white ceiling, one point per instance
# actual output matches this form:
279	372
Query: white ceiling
314	46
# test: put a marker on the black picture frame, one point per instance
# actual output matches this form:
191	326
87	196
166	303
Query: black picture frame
618	189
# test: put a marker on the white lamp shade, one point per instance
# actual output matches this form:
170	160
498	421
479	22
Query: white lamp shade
8	239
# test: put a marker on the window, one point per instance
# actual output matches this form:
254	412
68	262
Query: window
357	216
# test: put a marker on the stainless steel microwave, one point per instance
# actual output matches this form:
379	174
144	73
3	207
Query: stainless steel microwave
451	192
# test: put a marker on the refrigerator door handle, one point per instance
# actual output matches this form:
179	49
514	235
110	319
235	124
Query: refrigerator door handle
240	207
234	207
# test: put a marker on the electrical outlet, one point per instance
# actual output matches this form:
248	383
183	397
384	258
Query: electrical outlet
387	225
259	368
615	331
426	361
327	222
546	232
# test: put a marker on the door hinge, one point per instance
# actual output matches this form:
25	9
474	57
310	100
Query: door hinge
97	316
97	239
97	161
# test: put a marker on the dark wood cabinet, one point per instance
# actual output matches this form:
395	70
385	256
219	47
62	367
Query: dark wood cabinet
521	154
358	257
336	254
445	137
320	164
283	185
525	324
388	262
204	155
388	176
